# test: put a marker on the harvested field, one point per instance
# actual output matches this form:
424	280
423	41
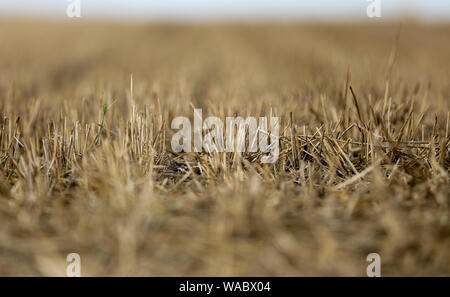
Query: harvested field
86	164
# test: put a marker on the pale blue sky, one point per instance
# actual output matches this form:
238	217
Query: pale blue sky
226	9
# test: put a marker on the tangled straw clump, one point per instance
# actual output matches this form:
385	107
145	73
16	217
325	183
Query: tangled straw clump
86	164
